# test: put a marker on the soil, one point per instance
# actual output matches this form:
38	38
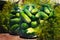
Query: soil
6	36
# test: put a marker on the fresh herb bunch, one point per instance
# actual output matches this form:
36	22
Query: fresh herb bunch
57	23
4	16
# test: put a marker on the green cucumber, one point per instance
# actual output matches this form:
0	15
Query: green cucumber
30	30
15	20
18	14
41	21
51	14
14	27
25	17
37	15
34	23
46	10
12	10
50	9
24	25
43	15
28	12
30	8
11	15
33	17
34	10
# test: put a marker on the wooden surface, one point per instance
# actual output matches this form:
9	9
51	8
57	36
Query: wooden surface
11	37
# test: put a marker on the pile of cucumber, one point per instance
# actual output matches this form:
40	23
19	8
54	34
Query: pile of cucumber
25	20
14	21
31	17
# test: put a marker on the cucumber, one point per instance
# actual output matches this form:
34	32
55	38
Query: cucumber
28	12
12	16
41	21
24	25
33	5
50	9
46	5
37	15
34	23
14	27
34	11
23	32
26	7
18	14
51	14
33	18
12	10
46	10
43	15
30	8
25	17
15	20
30	30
